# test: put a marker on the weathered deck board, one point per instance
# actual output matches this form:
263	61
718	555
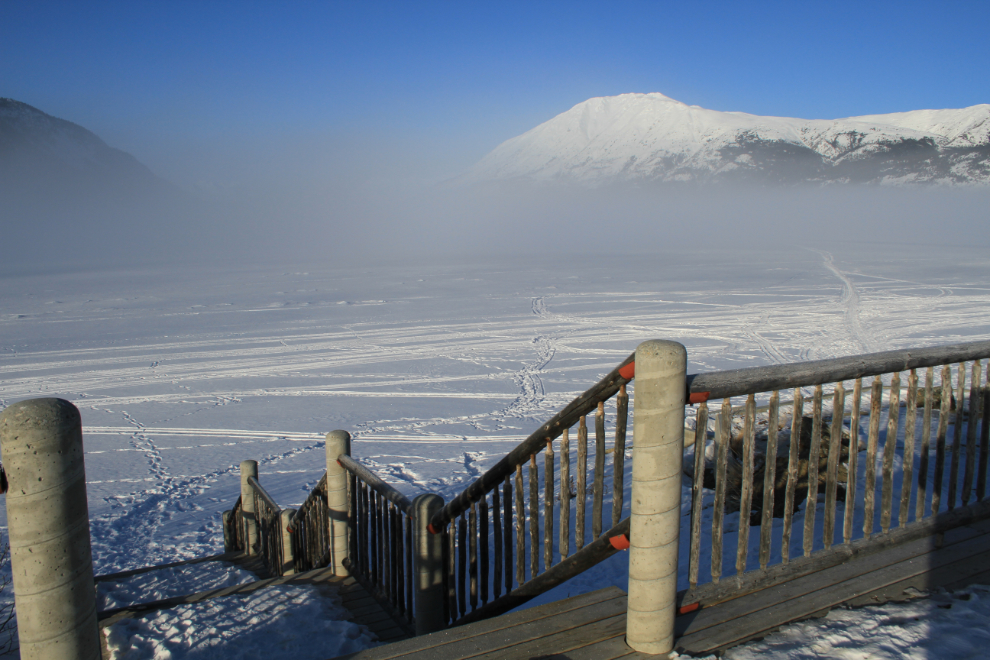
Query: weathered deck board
364	608
592	626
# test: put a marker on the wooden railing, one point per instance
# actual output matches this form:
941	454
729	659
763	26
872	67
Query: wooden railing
781	437
268	516
380	548
310	530
488	567
765	465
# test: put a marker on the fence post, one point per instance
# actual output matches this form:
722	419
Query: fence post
48	526
288	555
249	469
228	538
658	451
428	565
338	442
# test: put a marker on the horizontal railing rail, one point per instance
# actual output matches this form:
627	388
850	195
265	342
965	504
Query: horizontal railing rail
740	382
376	484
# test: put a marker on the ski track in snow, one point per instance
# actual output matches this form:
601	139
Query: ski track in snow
435	373
850	300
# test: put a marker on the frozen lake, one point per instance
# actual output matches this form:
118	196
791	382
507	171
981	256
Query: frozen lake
436	368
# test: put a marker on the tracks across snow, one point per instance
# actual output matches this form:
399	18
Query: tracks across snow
850	301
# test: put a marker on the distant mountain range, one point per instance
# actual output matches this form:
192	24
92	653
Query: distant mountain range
651	138
44	156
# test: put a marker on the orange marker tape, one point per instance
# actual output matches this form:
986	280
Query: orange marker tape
629	371
698	397
620	542
684	609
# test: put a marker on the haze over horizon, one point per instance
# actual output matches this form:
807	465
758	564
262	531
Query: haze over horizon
331	124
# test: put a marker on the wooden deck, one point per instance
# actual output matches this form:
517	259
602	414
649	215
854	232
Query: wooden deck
592	626
364	608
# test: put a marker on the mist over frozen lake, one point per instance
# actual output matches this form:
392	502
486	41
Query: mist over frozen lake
437	368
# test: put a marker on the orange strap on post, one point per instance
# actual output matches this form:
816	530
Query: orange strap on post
629	371
697	397
620	542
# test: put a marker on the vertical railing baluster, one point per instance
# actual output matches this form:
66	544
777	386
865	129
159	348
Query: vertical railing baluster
386	548
926	438
409	568
452	570
599	482
873	437
534	518
910	421
507	531
619	453
397	558
957	434
582	482
769	478
352	522
520	528
889	450
462	549
722	433
472	548
746	491
834	458
945	408
981	480
852	478
814	458
373	515
565	495
497	546
793	458
697	492
548	471
971	427
483	546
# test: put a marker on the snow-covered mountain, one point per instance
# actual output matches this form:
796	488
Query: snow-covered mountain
644	138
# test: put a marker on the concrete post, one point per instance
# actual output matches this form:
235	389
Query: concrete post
428	566
338	442
251	543
48	526
288	554
658	450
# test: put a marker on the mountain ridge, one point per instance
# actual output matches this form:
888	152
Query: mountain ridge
653	138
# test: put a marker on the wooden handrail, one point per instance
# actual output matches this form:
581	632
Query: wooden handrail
266	498
301	511
369	477
739	382
566	418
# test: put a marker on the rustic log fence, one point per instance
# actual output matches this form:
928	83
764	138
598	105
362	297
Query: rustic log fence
901	467
512	525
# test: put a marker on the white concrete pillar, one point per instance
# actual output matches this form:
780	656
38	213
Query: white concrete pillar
428	567
288	553
658	450
338	442
48	526
251	543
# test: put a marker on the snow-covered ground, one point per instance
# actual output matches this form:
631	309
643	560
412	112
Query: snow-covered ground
436	369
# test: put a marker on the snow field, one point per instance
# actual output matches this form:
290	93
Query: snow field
436	370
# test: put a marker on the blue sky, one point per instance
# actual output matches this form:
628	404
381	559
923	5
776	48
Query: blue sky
197	88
